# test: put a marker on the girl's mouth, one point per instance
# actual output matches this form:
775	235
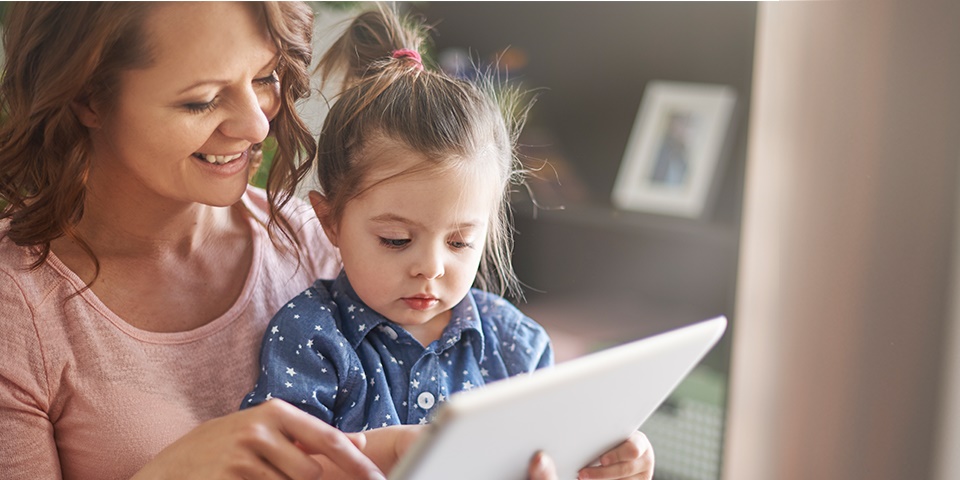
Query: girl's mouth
420	302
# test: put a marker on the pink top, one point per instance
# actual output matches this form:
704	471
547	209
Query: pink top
85	395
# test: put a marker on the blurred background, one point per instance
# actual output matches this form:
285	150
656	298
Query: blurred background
830	238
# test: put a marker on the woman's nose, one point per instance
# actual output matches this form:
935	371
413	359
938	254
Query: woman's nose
250	115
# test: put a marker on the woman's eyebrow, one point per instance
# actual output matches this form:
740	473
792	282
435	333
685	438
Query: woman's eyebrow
272	65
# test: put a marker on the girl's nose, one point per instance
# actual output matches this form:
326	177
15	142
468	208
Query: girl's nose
429	265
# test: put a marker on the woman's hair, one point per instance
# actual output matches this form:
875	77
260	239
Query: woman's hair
389	95
61	52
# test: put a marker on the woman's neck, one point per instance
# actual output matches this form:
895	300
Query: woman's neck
114	223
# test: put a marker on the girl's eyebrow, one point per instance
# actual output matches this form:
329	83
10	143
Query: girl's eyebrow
394	218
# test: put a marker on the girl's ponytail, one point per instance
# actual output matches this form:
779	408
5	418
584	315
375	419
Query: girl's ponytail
370	47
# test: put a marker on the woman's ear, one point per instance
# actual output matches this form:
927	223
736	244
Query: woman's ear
85	112
322	208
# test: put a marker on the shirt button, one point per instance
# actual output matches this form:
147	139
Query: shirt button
426	400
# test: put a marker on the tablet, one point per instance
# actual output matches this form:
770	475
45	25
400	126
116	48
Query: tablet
574	411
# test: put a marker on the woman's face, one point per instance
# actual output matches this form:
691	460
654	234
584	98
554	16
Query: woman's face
181	129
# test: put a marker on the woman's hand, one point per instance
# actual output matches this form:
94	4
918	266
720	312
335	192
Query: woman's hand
632	459
270	441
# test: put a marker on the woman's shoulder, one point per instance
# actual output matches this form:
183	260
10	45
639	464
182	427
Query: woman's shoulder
314	249
17	272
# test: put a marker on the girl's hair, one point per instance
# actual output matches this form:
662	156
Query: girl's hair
61	52
389	95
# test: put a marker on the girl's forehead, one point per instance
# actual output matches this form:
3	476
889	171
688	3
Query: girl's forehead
386	159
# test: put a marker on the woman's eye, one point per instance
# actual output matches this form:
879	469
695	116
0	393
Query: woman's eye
201	107
394	242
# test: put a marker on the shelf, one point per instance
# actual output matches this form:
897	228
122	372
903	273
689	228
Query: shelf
608	218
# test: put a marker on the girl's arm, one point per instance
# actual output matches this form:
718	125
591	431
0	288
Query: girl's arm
384	446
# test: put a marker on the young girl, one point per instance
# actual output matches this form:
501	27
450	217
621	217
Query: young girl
415	168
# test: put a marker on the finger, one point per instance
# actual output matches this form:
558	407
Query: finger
358	439
629	450
316	437
631	459
284	459
542	467
616	471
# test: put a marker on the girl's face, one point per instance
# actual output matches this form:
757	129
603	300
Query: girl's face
411	245
181	129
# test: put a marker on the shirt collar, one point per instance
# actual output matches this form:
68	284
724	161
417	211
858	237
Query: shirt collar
358	320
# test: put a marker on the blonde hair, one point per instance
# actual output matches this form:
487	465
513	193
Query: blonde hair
61	52
448	120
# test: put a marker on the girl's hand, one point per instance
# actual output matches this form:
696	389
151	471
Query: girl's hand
542	468
632	459
270	441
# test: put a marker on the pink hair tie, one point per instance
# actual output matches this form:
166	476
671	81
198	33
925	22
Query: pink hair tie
408	53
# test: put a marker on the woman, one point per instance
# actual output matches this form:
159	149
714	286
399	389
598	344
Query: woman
136	273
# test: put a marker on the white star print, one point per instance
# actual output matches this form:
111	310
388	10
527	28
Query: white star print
290	305
484	372
288	384
290	371
467	385
362	327
351	308
423	420
415	383
275	329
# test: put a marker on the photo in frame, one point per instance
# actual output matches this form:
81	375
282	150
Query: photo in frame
675	152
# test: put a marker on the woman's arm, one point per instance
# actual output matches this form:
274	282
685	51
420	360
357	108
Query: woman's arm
271	441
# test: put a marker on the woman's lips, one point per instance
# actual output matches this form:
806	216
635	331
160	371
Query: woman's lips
420	303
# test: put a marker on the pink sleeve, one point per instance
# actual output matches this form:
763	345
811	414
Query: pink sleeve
28	449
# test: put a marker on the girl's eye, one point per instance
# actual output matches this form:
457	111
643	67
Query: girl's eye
458	245
202	107
268	80
394	242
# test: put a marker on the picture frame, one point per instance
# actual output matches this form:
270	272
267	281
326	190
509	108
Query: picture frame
673	158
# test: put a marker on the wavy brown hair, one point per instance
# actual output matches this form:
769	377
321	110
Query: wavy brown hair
61	52
451	121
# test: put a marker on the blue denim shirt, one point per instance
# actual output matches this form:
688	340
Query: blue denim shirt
340	361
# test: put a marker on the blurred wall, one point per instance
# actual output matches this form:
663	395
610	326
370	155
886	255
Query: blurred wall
850	209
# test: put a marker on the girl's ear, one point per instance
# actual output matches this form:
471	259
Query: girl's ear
85	112
322	208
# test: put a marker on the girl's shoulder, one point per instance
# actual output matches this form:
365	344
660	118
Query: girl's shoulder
504	317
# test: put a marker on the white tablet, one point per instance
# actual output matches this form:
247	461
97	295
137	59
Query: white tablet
574	411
